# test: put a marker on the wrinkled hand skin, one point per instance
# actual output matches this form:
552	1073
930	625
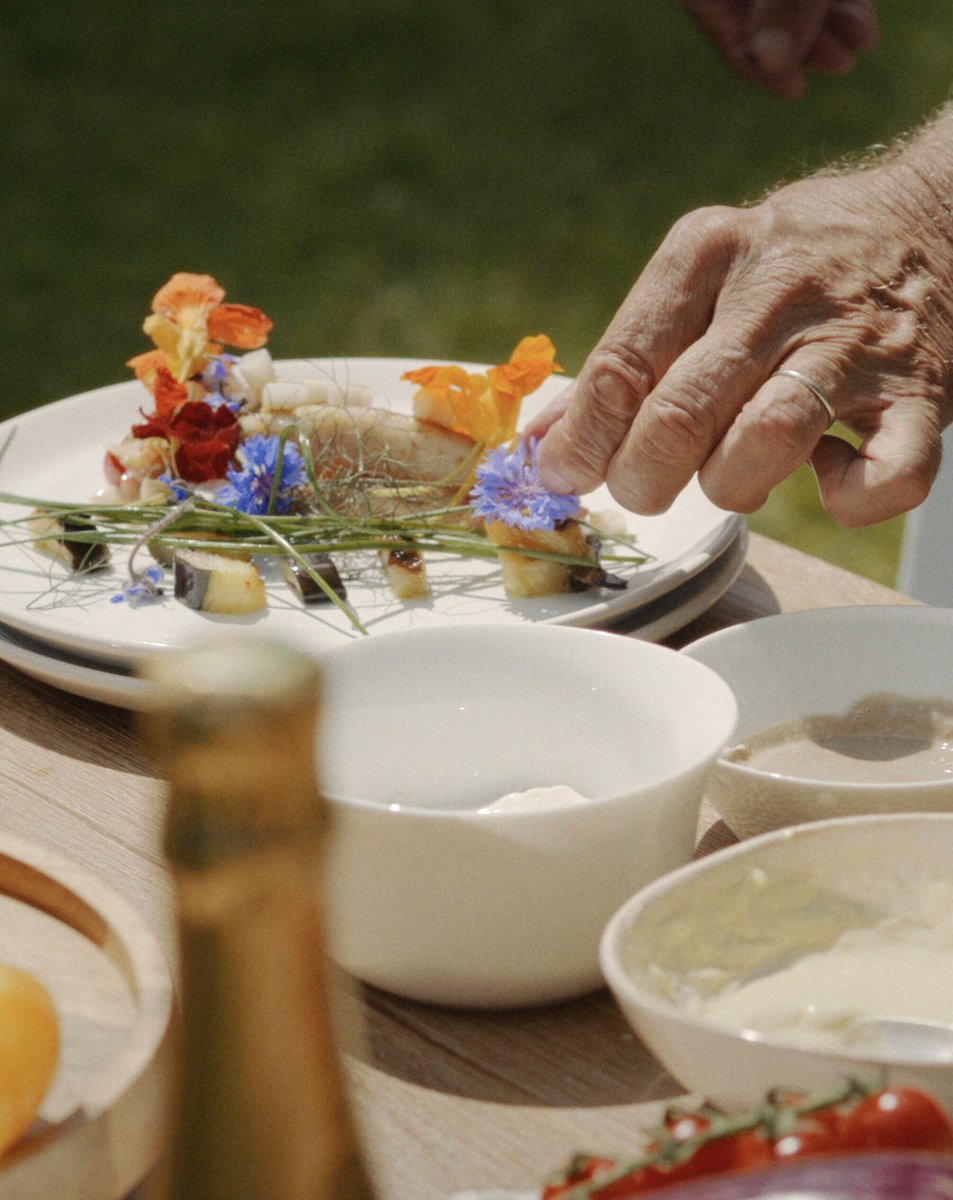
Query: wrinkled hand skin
776	43
847	278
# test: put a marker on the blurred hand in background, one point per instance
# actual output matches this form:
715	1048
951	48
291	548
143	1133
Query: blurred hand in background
776	42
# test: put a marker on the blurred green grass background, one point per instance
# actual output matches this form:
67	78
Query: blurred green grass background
405	177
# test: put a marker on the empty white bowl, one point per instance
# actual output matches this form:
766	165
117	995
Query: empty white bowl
760	906
797	665
433	900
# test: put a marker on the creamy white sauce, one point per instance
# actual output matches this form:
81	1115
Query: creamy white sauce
609	521
558	796
900	967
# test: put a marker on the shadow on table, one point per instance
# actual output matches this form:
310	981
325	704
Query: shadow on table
61	723
524	1056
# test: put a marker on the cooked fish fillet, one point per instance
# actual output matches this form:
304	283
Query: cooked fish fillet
404	446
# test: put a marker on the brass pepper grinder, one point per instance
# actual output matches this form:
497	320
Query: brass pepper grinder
261	1111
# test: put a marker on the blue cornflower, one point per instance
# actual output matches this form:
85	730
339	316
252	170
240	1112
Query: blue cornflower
143	586
508	488
216	379
250	486
178	487
217	370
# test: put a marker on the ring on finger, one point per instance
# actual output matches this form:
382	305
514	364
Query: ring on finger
815	389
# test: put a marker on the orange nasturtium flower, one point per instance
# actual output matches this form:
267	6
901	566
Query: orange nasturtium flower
486	406
188	318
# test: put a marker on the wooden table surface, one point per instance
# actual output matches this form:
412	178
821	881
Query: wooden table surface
447	1101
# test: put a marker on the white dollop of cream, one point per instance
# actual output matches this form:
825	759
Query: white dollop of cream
899	967
609	521
558	796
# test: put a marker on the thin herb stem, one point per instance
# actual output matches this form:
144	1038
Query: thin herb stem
443	529
291	552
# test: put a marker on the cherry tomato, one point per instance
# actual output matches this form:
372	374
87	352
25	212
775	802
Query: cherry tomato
710	1158
831	1114
636	1183
805	1141
750	1149
899	1118
583	1168
894	1119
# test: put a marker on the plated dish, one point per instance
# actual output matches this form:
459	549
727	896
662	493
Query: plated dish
56	452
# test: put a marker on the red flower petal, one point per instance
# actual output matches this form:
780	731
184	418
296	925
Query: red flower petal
204	439
170	394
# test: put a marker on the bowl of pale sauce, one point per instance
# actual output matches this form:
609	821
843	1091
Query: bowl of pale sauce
842	711
785	960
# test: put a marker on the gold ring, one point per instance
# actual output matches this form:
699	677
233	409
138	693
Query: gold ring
814	388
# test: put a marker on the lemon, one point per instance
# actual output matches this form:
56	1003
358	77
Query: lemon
29	1051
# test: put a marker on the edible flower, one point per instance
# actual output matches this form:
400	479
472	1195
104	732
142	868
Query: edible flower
202	438
189	316
178	489
143	586
484	406
216	375
264	460
508	488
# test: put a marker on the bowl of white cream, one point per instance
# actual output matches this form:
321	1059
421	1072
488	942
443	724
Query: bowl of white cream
496	793
780	961
842	711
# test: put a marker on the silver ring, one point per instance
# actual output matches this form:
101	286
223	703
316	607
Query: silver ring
815	388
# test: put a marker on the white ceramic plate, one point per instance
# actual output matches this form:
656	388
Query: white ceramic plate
92	681
657	620
56	453
112	684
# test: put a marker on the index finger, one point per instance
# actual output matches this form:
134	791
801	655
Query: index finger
667	310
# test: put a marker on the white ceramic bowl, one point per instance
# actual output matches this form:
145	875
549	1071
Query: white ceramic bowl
751	909
431	899
820	662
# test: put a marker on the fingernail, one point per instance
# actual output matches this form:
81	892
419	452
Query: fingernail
553	479
773	51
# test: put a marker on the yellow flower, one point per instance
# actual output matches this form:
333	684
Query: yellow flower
188	317
486	406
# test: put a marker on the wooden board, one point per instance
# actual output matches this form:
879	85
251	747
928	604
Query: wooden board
100	1128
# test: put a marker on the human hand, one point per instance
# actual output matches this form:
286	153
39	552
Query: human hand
847	279
774	42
